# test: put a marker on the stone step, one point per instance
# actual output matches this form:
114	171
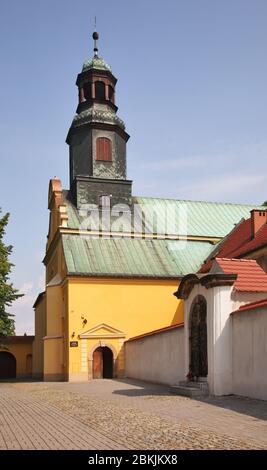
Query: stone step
188	391
185	383
200	385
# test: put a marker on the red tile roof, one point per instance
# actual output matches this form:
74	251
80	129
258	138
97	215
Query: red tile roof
250	276
240	235
251	306
238	243
258	241
155	332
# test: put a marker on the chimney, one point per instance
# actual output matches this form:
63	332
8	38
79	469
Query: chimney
258	219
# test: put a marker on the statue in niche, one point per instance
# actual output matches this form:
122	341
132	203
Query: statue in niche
198	341
203	357
194	342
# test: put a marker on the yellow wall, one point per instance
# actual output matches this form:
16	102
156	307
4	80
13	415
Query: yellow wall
53	359
40	333
54	307
54	339
132	306
20	350
128	307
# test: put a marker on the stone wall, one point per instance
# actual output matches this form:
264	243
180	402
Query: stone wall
89	190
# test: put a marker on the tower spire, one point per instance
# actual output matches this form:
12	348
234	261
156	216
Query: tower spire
95	38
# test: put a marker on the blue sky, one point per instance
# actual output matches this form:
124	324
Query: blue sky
192	91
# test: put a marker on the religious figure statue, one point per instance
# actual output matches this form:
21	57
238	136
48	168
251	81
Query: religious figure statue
194	342
203	360
198	340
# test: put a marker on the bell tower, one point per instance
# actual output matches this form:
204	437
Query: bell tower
97	138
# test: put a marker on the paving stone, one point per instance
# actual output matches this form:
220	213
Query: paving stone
27	423
103	414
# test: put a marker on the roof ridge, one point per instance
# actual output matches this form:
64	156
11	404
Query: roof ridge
192	200
199	201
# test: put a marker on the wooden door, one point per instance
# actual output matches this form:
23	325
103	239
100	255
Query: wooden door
98	364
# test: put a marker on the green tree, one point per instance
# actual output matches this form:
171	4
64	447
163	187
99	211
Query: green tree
8	293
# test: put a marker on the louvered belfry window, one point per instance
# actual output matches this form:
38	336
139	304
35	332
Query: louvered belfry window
103	149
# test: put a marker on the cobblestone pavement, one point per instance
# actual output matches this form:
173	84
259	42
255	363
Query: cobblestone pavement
26	423
120	414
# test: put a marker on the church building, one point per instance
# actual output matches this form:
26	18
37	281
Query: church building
113	259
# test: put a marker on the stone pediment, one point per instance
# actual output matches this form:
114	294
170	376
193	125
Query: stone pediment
103	331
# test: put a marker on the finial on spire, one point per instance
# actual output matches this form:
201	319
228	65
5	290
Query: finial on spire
95	38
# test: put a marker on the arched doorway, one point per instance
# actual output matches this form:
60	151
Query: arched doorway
198	366
8	365
102	363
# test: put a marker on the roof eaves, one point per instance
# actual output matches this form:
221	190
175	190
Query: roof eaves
38	299
155	332
123	276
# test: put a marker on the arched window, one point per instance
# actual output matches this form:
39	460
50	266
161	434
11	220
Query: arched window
100	90
103	149
87	90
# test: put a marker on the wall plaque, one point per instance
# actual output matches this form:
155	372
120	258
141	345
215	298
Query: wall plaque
73	344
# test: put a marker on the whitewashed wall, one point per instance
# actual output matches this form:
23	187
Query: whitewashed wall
237	348
219	336
249	331
158	358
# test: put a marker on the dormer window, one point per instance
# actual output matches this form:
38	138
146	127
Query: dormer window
103	149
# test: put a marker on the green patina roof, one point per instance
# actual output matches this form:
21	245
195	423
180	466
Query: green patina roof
198	218
132	257
97	115
139	257
192	218
95	63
